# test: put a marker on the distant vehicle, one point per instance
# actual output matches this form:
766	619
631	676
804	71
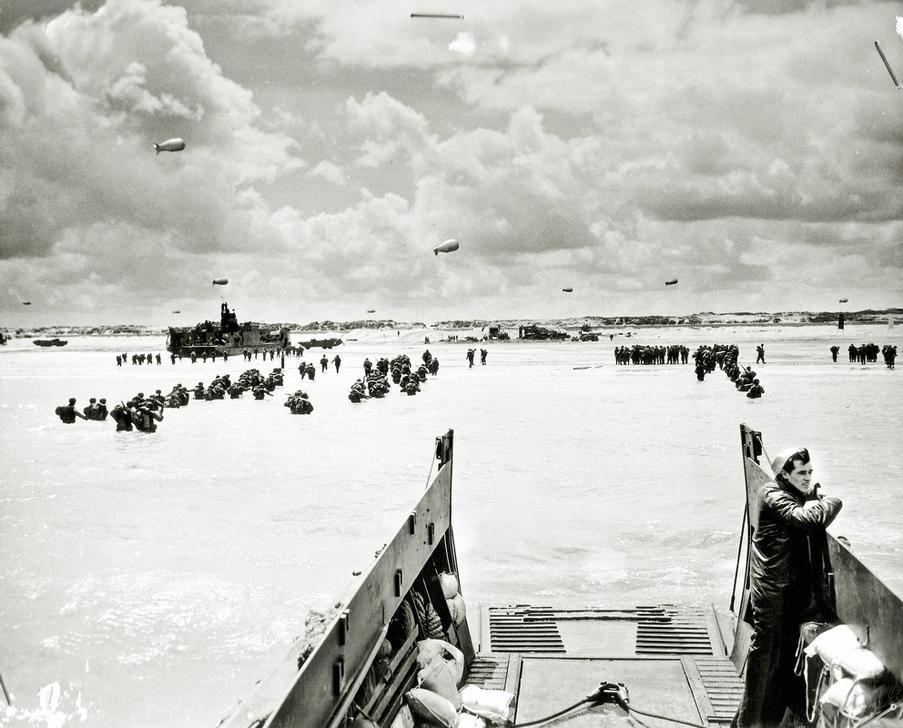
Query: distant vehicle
320	343
177	312
843	300
532	331
49	342
371	310
170	145
672	282
26	303
568	290
220	281
447	247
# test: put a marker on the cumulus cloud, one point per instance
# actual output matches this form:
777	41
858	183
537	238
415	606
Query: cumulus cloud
330	172
82	98
393	130
603	146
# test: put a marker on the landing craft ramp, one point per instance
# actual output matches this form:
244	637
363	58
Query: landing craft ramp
676	661
672	659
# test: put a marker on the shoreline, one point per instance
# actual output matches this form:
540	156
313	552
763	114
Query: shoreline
569	325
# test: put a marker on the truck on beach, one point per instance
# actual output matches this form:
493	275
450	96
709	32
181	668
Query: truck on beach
526	664
226	336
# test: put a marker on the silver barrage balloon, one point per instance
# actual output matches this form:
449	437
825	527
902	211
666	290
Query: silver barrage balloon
170	145
447	247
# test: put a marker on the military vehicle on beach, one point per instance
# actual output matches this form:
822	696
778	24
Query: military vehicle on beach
320	343
225	336
541	333
587	666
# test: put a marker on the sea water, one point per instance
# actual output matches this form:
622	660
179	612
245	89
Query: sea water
156	577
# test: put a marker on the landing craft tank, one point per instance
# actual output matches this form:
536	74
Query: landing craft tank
225	336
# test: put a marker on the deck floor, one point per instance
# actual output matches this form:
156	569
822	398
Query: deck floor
672	660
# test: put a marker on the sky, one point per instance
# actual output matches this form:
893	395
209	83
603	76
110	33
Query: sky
751	149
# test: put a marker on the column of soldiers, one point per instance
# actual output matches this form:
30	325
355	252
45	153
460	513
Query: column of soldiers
726	358
375	382
138	359
142	413
637	354
868	353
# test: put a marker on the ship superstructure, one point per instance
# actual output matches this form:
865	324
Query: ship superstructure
225	336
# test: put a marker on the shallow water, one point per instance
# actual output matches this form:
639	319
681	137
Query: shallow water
157	577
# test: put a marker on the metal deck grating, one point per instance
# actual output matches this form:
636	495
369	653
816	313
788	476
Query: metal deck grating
515	629
489	671
673	631
723	687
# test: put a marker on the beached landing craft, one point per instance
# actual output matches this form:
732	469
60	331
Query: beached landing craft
226	336
651	660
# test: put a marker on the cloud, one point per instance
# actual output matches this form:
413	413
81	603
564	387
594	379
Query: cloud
393	130
330	172
83	97
463	44
601	146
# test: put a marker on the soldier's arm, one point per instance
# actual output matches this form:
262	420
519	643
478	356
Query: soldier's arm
814	516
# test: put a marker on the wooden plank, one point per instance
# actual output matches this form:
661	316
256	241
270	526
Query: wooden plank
697	688
407	675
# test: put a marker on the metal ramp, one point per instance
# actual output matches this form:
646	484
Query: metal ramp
672	659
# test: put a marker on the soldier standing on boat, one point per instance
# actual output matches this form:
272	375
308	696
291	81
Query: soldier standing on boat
784	592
